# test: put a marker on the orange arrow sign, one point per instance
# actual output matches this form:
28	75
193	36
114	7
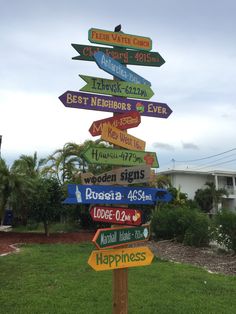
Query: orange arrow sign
120	258
120	138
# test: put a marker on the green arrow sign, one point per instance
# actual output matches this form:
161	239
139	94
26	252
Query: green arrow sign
122	157
113	237
144	58
116	88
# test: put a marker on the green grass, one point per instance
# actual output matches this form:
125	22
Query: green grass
56	279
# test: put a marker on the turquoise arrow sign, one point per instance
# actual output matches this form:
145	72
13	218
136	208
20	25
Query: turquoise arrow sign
116	88
114	68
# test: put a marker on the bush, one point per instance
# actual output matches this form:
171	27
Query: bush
225	229
181	223
197	234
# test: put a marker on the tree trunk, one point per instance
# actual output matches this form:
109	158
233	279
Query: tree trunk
46	228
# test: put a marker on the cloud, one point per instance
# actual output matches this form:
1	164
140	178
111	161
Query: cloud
190	146
164	146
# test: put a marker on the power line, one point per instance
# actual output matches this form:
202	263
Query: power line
204	158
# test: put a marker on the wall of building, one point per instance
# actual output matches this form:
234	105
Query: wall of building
189	183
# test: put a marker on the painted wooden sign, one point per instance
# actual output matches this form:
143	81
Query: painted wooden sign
119	157
118	70
88	101
120	258
120	138
116	88
124	56
94	194
121	121
121	176
120	215
104	37
113	237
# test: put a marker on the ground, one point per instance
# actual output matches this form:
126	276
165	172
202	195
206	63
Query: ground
206	257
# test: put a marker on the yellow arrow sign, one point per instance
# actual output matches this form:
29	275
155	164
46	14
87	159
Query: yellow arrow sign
120	258
120	138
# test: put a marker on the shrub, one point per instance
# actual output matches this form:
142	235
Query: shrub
184	224
197	234
225	229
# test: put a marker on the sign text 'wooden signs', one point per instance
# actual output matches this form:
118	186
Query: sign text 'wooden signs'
95	194
113	237
121	176
121	121
120	138
120	258
144	58
100	36
118	70
119	157
88	101
116	88
114	215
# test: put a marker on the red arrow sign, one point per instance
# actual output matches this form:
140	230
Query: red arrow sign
121	121
122	216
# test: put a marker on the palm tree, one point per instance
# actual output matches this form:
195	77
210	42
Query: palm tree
65	164
215	194
14	187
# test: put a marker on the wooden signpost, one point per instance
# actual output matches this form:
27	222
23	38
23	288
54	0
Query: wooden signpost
119	157
98	189
114	237
118	70
81	100
122	139
104	37
95	194
120	258
122	121
116	88
120	176
116	215
144	58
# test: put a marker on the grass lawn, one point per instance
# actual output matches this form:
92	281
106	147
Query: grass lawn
48	279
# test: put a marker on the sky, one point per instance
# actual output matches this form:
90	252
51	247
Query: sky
197	81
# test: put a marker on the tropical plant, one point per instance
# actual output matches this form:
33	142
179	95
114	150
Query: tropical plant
209	198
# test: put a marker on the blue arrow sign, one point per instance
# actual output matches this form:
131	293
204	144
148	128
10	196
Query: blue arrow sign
95	194
115	68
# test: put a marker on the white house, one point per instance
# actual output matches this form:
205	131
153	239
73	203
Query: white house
190	181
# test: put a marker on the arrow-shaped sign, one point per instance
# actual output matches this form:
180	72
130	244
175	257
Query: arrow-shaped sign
104	37
122	139
116	69
120	258
119	157
122	216
121	176
143	58
88	101
121	121
113	237
116	88
94	194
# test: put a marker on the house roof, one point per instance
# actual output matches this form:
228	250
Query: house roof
188	170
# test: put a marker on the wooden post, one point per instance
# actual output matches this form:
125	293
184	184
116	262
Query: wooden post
120	280
120	291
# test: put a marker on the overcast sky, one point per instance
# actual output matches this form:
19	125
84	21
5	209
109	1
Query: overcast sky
196	39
